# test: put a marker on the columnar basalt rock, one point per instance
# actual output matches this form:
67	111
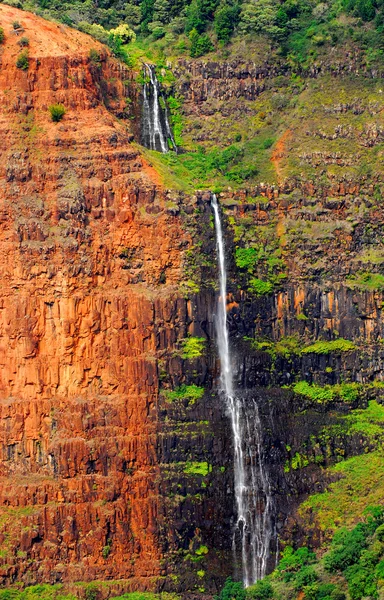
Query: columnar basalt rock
86	272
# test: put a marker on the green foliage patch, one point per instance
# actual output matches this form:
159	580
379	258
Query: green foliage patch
198	468
332	346
259	287
347	392
192	347
57	112
366	281
286	347
192	393
22	61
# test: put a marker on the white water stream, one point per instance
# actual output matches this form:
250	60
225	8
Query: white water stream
156	128
253	530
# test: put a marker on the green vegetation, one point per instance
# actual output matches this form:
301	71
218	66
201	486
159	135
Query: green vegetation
197	468
192	393
333	346
260	287
354	564
2	35
23	42
202	551
299	31
360	486
146	596
246	258
293	346
36	592
262	590
22	61
192	347
57	592
232	590
366	281
286	347
94	57
57	112
347	392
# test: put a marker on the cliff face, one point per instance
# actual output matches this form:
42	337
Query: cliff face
83	253
105	475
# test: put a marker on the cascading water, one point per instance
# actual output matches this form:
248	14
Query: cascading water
253	530
155	129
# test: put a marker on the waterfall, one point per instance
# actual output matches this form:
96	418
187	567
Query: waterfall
253	530
156	129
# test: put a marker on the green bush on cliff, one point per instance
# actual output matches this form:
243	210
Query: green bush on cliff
287	347
259	287
192	347
348	392
246	258
185	392
314	392
333	346
22	61
57	112
366	281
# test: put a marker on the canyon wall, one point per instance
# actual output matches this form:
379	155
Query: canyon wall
91	261
104	474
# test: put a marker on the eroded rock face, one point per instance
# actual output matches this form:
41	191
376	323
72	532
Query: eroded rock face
90	261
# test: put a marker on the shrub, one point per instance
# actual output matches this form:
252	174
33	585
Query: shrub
16	25
314	392
336	346
198	468
125	33
306	576
2	35
262	590
246	258
192	347
94	57
293	560
57	112
22	61
366	281
232	591
348	546
260	287
24	42
185	392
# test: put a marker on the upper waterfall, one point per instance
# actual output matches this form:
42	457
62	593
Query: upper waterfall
156	130
253	530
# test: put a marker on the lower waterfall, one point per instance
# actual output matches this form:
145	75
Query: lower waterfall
253	530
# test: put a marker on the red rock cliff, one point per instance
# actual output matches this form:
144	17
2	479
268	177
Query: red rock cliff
84	257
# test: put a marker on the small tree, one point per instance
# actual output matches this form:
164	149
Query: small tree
57	112
22	61
200	44
125	33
